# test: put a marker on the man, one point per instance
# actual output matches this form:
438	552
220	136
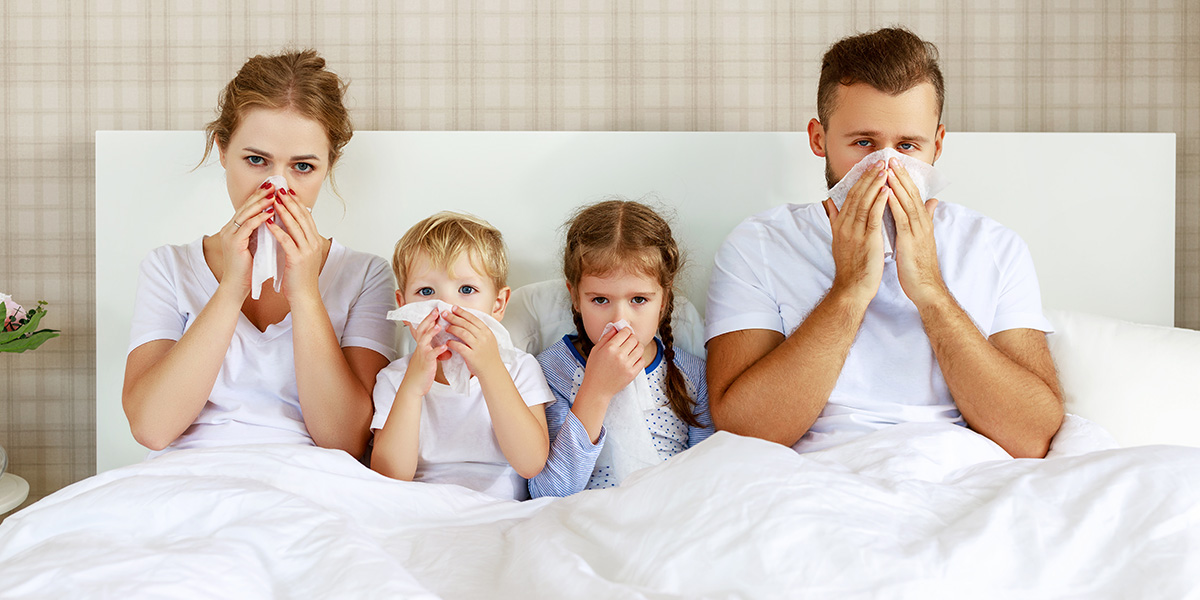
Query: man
814	338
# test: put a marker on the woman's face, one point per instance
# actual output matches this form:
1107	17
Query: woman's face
276	142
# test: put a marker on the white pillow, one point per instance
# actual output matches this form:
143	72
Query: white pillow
539	314
1140	382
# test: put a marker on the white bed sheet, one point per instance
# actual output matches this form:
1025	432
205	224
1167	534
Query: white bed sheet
915	510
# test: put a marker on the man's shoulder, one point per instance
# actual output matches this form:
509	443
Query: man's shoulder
786	222
972	226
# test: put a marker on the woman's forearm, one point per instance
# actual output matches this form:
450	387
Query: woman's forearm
335	402
167	383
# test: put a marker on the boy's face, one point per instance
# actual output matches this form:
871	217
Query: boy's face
461	286
865	120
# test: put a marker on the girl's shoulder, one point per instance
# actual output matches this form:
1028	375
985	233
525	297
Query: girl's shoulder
691	365
559	362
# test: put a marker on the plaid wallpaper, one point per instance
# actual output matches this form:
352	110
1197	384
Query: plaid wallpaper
70	68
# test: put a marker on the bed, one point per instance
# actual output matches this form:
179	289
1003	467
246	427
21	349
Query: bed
916	510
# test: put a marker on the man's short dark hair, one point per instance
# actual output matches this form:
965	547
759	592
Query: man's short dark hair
891	60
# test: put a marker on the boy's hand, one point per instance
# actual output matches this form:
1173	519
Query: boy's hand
916	250
478	347
422	367
613	363
857	235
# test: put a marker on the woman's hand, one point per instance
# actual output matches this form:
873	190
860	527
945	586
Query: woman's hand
302	245
234	239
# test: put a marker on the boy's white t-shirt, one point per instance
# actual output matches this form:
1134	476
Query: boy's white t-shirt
457	443
254	398
776	266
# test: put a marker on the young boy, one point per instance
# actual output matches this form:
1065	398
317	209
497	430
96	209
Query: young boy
815	338
493	437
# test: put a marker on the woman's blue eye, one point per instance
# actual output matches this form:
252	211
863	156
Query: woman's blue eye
425	291
257	161
304	167
466	290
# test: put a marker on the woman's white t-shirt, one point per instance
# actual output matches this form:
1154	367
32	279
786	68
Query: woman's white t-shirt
255	399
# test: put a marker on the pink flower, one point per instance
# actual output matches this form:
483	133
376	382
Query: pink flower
15	313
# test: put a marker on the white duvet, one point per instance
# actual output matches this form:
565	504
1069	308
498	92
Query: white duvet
920	511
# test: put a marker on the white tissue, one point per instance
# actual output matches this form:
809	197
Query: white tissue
268	256
927	179
458	375
628	445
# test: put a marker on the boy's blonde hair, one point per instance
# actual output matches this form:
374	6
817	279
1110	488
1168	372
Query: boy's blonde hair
445	236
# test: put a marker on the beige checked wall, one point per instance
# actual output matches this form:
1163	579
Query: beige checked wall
70	68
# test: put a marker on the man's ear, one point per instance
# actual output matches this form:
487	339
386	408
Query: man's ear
816	137
501	302
937	141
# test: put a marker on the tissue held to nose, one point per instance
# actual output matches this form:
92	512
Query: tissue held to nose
268	256
929	181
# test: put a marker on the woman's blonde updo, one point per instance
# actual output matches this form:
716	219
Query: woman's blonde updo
295	81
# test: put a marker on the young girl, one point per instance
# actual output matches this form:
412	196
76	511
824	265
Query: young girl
627	398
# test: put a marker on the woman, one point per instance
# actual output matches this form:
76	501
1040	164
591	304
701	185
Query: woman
211	365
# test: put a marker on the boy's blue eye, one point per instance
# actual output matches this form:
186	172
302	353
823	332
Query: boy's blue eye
257	161
304	167
425	291
466	290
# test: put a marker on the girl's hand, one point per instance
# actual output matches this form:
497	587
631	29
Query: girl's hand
613	363
234	239
422	367
303	247
478	347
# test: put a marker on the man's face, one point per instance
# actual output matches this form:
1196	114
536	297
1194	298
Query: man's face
865	120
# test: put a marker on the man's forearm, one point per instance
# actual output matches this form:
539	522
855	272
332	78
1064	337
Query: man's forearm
998	394
780	395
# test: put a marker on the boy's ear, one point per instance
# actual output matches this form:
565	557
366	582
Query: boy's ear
501	302
399	299
816	137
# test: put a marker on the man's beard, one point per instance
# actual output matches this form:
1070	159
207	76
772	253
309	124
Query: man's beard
829	179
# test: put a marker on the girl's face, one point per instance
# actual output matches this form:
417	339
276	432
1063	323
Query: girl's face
276	142
620	295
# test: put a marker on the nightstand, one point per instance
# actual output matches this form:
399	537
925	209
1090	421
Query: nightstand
13	491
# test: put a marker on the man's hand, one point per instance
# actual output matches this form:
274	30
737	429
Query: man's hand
857	237
916	250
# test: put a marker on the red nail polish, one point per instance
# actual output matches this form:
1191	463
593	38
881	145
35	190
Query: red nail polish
291	192
271	220
265	185
271	209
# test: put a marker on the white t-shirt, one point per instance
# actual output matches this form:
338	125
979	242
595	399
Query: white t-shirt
457	443
776	266
254	399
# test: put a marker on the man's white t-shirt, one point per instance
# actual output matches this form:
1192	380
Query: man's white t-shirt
255	399
457	443
776	266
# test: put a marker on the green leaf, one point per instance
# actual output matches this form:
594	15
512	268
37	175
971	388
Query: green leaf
28	329
28	342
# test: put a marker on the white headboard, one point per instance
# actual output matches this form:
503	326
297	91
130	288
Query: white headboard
1097	210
